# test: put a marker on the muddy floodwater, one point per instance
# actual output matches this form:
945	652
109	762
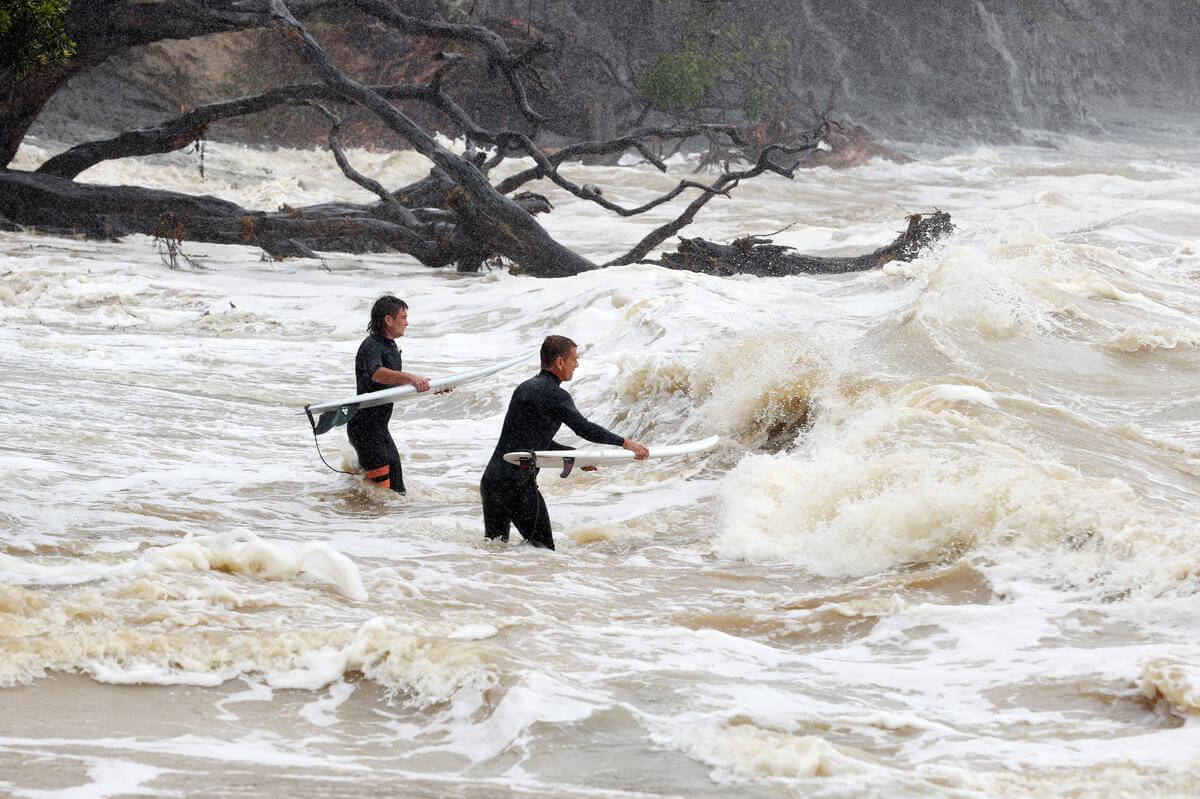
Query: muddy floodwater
946	547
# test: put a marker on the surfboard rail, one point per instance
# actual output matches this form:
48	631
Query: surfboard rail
337	412
568	459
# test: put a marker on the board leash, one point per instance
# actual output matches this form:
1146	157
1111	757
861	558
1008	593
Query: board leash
317	443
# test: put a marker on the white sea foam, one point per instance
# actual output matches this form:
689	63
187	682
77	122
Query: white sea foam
861	503
323	712
240	552
1146	338
26	571
744	751
107	778
244	552
426	670
1174	679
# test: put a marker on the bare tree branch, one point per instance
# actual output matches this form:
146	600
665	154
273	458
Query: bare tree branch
730	179
635	139
500	55
509	227
400	214
179	132
547	166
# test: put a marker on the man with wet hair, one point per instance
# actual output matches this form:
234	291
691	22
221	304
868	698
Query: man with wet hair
378	366
538	407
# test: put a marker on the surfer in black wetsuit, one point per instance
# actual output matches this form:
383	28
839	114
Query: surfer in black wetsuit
378	366
538	407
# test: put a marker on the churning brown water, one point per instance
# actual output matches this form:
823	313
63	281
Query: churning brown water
946	547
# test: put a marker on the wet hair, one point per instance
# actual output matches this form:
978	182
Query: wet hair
555	347
387	305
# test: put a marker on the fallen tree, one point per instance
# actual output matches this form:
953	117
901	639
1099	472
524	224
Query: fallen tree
453	216
758	256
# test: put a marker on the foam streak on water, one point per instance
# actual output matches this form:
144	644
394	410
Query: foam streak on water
946	547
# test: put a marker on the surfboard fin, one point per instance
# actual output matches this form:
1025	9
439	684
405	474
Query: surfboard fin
330	419
568	465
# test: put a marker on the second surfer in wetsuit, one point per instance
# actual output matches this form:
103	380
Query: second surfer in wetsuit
538	407
378	366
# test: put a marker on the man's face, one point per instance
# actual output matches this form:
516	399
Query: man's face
567	364
394	325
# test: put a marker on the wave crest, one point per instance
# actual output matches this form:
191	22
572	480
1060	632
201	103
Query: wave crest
426	669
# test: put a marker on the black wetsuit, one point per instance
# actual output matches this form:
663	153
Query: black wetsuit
509	493
368	428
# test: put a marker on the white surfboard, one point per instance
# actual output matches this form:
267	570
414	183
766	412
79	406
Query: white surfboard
568	459
338	412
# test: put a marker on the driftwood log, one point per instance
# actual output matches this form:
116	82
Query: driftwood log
758	256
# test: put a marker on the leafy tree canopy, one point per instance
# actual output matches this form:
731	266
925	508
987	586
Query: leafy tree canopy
724	57
32	34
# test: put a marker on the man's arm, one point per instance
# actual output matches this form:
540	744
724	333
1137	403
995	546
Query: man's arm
391	377
566	412
572	418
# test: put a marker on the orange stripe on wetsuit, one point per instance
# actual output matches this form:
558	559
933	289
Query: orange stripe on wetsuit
381	476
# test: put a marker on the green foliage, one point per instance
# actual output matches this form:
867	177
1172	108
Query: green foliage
458	10
757	100
32	34
678	80
759	68
724	58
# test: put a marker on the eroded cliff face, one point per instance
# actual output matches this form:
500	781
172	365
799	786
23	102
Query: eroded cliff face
145	85
937	70
991	69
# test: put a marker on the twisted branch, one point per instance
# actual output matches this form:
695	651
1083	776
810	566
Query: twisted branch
730	179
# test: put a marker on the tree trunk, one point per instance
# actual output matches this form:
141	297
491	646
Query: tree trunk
60	205
22	100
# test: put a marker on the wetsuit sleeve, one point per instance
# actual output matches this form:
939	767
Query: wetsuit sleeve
372	359
569	415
